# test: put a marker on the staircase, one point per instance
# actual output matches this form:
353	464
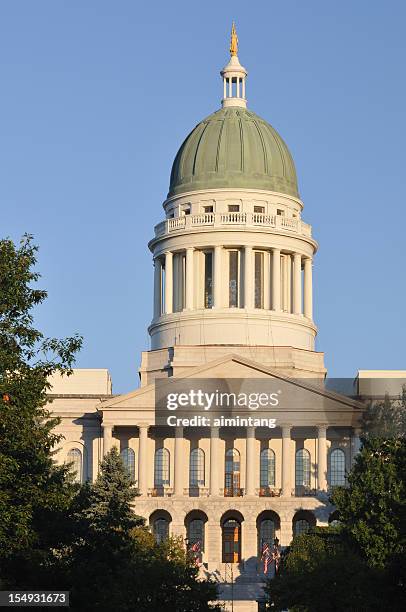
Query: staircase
239	588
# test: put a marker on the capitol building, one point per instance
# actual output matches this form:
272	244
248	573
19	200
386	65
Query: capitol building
233	299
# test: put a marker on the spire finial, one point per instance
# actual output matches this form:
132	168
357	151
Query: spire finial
234	41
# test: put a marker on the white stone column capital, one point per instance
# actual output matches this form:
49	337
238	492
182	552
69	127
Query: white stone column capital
251	432
214	431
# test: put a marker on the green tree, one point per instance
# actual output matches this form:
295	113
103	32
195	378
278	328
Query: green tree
321	572
372	508
361	565
115	563
34	492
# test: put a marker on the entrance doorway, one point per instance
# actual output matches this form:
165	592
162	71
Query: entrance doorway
231	541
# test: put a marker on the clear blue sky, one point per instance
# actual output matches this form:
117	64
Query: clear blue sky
96	97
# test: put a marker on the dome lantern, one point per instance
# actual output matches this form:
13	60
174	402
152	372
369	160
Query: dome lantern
234	76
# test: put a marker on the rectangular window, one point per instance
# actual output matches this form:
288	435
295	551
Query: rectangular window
233	279
280	212
259	209
208	279
233	208
259	280
208	209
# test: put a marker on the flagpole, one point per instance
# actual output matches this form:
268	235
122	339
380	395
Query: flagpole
232	588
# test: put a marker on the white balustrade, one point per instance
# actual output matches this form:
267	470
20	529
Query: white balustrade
204	219
232	218
176	223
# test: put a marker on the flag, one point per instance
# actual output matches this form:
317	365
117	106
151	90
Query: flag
266	557
276	556
195	549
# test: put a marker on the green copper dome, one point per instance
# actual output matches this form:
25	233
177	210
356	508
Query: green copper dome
234	148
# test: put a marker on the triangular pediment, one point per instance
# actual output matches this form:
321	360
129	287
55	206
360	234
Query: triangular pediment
310	395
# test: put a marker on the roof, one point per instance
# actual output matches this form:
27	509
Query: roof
233	148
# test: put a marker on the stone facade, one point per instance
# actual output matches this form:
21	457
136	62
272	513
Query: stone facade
232	300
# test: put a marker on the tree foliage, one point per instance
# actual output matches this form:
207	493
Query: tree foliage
321	572
34	492
362	564
53	533
116	563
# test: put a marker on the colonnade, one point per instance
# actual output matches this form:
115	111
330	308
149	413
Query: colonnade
164	291
250	458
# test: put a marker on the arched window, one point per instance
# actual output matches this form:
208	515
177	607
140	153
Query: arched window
337	467
301	526
161	530
232	473
75	459
128	457
302	478
161	467
267	468
196	534
266	534
196	468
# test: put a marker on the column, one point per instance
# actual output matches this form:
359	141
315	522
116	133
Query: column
214	461
276	279
248	278
107	438
218	252
142	459
157	287
168	282
322	457
189	278
213	541
230	87
243	87
249	545
287	283
250	461
238	87
297	284
178	466
308	289
286	467
224	88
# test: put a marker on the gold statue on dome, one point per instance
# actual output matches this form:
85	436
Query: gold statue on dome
234	41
